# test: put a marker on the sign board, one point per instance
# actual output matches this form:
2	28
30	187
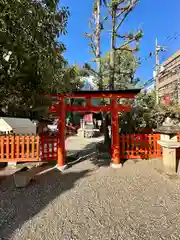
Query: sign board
167	99
88	118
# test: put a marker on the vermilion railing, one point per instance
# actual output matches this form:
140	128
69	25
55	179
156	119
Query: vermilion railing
19	148
48	148
35	148
28	148
143	146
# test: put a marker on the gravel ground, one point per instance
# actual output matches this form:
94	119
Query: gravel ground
92	202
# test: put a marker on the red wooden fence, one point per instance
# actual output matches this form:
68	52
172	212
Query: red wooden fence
28	148
144	146
36	148
48	148
19	148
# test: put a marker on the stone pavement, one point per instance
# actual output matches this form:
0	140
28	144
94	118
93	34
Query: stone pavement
75	143
89	201
80	145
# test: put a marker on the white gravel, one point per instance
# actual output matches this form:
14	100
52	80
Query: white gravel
92	202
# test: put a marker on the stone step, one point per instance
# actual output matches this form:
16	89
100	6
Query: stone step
23	177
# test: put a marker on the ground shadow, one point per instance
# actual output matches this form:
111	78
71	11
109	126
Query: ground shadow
102	161
96	153
19	205
103	158
74	155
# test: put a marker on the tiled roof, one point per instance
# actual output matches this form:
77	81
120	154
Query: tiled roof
22	126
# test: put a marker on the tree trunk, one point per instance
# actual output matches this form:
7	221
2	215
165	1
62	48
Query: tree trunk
72	113
112	51
97	16
111	77
107	140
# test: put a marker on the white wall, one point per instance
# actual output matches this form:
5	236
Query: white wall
4	127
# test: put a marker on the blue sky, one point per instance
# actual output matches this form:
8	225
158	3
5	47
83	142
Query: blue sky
158	18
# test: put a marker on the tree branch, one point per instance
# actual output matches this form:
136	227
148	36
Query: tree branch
123	8
119	14
128	49
91	70
122	20
126	9
122	36
91	44
108	7
126	43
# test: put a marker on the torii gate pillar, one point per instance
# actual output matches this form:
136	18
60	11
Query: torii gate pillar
61	153
115	147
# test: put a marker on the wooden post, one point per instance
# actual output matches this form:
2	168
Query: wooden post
115	135
61	133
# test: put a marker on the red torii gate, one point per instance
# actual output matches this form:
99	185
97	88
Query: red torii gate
61	108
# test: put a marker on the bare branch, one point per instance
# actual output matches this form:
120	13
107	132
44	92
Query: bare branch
108	7
90	23
93	48
127	9
122	36
119	14
122	20
128	49
91	44
126	43
88	35
90	70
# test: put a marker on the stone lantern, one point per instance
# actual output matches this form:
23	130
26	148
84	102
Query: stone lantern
168	141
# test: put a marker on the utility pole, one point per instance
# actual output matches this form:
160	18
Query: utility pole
158	49
157	71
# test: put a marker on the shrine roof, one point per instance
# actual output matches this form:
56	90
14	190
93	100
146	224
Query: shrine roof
101	93
134	91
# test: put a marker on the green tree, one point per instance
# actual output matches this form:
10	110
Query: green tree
141	115
29	52
146	114
125	67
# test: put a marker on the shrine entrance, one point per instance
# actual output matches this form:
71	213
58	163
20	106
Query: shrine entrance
61	108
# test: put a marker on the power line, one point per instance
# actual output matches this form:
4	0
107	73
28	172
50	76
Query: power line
151	80
153	53
173	37
169	38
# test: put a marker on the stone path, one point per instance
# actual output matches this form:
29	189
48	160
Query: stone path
92	202
76	144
